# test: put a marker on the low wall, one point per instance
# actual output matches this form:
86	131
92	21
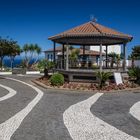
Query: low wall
136	63
5	73
19	71
32	72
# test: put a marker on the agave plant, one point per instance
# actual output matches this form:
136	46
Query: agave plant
103	77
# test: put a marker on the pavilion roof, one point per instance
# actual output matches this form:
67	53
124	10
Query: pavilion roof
91	30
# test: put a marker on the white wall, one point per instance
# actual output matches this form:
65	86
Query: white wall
136	63
111	48
50	54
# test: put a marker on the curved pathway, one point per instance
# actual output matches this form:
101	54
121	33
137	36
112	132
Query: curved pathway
135	111
11	93
114	110
8	127
60	115
83	125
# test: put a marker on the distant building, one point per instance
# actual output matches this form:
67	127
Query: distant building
49	53
111	48
89	55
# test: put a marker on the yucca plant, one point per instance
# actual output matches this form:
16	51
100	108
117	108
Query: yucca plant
103	77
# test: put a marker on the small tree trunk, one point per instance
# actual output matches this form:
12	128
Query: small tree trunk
46	72
112	63
133	63
1	63
12	61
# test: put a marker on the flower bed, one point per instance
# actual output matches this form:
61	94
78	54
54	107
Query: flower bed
89	86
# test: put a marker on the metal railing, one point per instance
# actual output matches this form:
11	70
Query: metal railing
75	64
84	64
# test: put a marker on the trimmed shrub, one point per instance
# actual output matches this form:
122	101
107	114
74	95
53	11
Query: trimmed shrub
57	79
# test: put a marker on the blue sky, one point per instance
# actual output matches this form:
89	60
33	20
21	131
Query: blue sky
33	21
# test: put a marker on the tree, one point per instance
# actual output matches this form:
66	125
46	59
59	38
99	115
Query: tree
14	50
135	55
118	59
74	56
134	73
8	47
69	46
136	52
31	52
113	57
38	52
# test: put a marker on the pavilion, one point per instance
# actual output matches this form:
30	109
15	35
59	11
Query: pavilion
91	34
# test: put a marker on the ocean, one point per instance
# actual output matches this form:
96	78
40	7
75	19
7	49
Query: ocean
7	62
17	61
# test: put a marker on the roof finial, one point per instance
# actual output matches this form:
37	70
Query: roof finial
93	18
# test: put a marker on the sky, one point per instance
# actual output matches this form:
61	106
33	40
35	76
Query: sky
33	21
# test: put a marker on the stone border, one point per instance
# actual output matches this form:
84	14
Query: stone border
87	91
5	73
62	89
32	72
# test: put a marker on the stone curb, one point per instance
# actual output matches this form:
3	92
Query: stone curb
5	73
62	89
87	91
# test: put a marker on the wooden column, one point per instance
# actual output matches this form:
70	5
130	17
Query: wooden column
67	57
106	55
63	56
100	58
124	59
54	52
83	53
83	50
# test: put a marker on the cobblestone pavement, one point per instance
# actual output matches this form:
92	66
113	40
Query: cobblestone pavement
114	109
46	120
84	125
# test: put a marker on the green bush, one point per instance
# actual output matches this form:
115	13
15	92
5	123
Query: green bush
103	77
57	79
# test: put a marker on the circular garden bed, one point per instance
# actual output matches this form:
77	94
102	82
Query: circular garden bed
88	86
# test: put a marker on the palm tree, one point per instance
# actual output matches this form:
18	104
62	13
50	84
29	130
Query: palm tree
31	50
118	59
74	56
113	57
38	52
103	77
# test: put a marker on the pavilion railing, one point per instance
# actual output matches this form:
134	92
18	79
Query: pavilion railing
84	64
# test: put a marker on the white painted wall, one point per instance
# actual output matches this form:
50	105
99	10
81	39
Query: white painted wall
50	55
111	48
136	63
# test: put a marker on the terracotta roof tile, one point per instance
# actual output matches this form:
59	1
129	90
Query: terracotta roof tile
91	29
